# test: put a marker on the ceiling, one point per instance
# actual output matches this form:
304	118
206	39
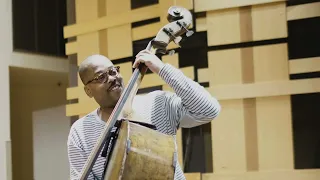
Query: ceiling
26	76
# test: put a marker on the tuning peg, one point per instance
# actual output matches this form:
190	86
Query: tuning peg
189	32
177	39
169	33
171	52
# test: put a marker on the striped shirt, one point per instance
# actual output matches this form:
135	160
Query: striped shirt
191	105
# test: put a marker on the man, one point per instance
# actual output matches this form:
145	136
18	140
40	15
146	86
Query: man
191	105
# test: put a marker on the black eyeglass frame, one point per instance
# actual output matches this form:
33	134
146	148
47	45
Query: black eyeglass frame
103	76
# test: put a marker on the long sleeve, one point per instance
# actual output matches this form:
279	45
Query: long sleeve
191	105
77	159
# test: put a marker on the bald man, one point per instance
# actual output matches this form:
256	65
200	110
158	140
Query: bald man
191	105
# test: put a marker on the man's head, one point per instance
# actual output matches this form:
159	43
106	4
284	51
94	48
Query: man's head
101	80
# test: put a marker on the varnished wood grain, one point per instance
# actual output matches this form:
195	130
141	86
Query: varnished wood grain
143	153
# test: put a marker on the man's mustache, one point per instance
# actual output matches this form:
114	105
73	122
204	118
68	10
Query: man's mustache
116	82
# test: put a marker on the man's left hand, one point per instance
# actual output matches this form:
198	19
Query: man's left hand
150	60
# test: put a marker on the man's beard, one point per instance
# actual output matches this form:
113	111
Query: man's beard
111	100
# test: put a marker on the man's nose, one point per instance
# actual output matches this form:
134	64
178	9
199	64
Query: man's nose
112	78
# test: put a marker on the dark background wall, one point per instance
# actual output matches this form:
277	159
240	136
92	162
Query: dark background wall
38	26
304	42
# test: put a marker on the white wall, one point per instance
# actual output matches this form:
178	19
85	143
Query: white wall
50	132
5	52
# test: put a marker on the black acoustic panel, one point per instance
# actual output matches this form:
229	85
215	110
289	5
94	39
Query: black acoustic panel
306	134
138	3
197	40
194	51
298	2
197	15
38	26
51	17
305	75
204	84
304	38
248	44
61	22
140	45
123	60
150	89
47	29
23	21
194	149
145	22
195	57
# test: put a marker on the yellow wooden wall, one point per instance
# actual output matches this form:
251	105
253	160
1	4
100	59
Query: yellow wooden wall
252	138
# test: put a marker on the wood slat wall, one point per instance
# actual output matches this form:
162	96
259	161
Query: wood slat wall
254	130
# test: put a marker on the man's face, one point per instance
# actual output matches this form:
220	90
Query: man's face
104	82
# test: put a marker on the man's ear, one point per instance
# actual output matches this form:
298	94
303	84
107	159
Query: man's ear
88	91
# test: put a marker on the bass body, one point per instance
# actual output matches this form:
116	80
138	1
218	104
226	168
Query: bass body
135	157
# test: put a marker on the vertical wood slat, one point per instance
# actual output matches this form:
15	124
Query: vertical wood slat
269	21
228	129
249	104
273	113
86	10
223	26
251	134
119	38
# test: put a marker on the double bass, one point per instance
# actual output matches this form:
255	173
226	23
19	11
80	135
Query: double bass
135	150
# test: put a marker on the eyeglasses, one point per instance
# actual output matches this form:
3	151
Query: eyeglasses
105	76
